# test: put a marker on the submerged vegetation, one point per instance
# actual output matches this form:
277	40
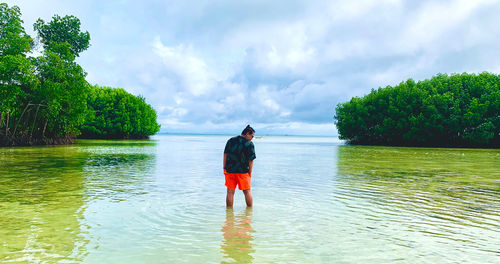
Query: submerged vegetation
43	99
459	110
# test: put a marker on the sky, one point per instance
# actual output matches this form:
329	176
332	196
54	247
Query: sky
281	66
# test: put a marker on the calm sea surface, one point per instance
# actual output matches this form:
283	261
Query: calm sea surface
315	201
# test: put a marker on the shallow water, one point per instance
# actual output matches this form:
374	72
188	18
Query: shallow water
315	201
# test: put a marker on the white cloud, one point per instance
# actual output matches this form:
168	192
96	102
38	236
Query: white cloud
234	99
280	48
296	128
177	113
436	20
282	65
194	73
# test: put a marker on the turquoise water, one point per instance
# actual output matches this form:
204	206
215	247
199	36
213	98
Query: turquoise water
315	201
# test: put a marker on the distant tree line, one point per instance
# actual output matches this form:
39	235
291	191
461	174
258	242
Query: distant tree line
458	110
44	99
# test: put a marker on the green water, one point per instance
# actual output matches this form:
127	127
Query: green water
315	201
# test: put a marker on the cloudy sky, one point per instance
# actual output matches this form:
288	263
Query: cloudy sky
283	65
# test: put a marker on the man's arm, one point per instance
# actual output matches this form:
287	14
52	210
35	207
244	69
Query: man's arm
224	161
250	166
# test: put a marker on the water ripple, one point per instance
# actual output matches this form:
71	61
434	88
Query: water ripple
162	201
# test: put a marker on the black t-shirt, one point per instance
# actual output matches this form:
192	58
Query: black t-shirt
240	151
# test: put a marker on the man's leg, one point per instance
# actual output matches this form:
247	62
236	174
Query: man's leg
229	197
248	197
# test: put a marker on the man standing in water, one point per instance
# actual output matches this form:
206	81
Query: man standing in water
239	154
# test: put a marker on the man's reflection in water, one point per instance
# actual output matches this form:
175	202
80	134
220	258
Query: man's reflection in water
237	243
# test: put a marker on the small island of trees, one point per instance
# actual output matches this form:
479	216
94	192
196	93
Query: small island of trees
115	114
458	110
46	99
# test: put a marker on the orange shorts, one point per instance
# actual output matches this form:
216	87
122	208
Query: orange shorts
240	179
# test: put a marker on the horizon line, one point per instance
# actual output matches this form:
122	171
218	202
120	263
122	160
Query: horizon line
230	134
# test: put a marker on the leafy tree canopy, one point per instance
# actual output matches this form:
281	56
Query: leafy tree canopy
62	30
459	110
114	113
46	100
13	38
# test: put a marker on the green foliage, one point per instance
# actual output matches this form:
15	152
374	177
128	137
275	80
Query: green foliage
62	92
460	110
114	113
13	38
17	76
62	30
43	100
15	70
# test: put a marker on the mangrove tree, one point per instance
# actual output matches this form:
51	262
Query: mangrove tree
114	113
46	99
458	110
